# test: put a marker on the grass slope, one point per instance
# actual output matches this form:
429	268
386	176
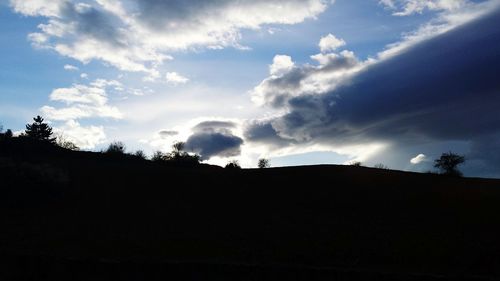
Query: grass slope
70	213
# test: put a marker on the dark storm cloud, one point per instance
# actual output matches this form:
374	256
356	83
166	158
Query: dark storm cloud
91	22
214	138
263	132
214	126
445	88
208	145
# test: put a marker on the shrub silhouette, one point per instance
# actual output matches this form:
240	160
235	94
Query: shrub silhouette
8	134
380	166
181	157
177	156
64	143
263	163
116	147
39	130
448	164
158	156
140	154
233	165
355	164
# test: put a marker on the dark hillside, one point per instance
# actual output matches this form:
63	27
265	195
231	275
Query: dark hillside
93	216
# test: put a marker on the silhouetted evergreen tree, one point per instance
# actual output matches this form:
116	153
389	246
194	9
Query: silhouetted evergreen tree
39	130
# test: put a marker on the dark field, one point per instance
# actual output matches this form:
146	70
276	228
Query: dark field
90	216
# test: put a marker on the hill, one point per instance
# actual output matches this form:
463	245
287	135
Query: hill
69	215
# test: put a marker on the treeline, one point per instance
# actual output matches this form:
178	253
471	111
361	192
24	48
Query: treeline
40	131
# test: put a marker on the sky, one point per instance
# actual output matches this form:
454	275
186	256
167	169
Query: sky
300	82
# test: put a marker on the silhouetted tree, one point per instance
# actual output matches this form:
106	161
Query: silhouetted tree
178	147
116	147
158	156
448	164
8	134
355	164
263	163
233	165
140	154
39	130
179	156
65	143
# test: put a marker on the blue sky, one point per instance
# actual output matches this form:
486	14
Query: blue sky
244	79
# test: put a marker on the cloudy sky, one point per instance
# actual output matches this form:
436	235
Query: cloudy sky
299	82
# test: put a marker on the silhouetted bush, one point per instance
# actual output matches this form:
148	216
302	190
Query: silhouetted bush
355	164
116	147
379	166
448	164
263	163
233	165
158	156
39	130
140	154
64	143
180	157
8	134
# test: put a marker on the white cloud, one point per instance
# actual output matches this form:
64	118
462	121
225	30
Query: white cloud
50	8
418	159
62	114
80	111
70	67
409	7
444	22
330	43
83	137
288	80
304	99
84	101
84	76
175	78
103	83
281	64
80	94
137	35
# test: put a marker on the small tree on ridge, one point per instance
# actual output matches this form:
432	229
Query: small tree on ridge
39	130
263	163
448	163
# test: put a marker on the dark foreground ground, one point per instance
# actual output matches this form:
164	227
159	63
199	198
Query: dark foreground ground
90	216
